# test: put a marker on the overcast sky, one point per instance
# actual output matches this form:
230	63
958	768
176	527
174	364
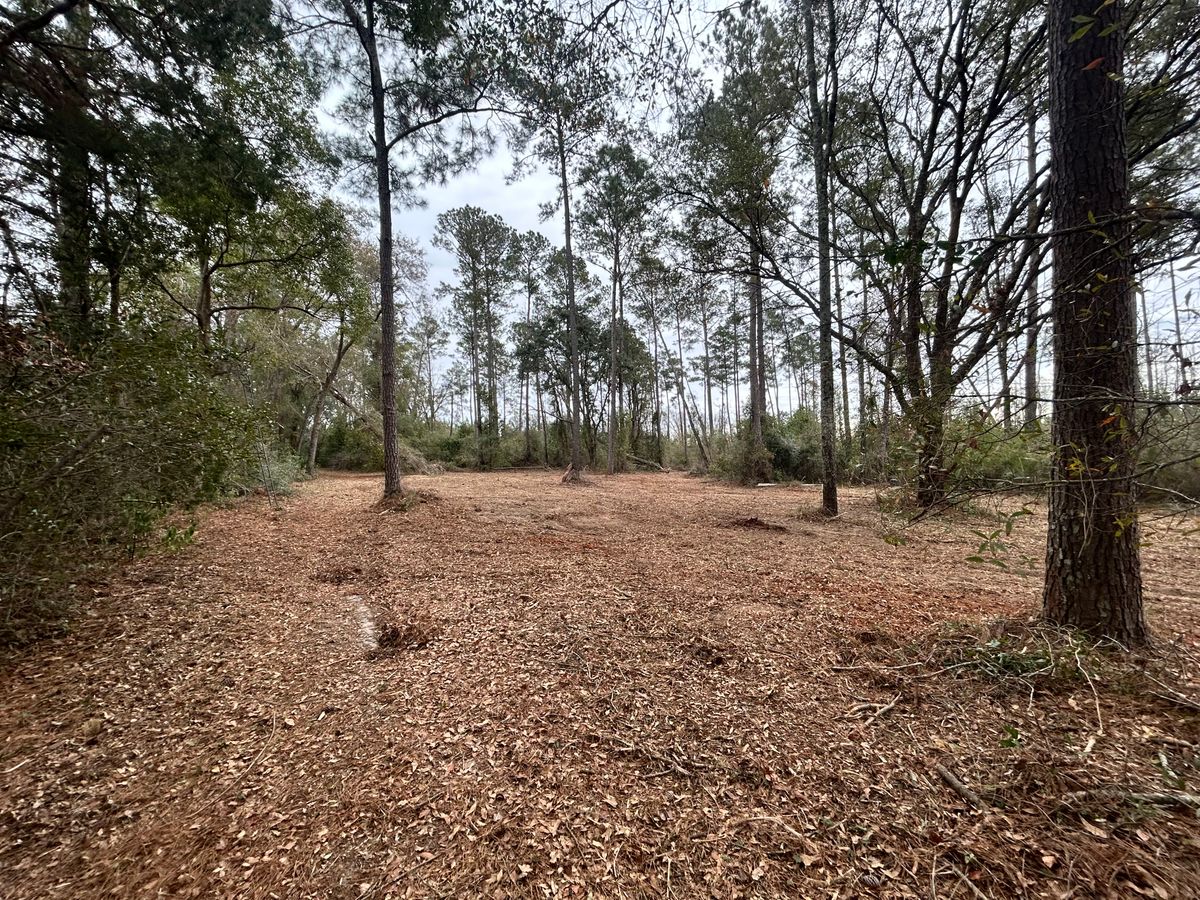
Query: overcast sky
487	188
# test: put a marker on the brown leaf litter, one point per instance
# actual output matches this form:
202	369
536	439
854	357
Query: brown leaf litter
524	690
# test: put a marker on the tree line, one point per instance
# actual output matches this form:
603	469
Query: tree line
864	239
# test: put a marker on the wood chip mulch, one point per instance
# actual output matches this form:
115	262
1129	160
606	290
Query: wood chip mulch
657	686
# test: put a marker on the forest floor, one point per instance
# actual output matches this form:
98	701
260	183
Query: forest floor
648	686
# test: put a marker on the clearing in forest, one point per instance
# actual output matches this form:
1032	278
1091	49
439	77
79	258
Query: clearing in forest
649	686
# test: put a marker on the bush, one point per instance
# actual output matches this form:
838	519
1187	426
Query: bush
96	447
1168	457
985	455
356	448
269	469
350	447
795	446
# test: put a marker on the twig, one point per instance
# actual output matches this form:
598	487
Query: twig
967	881
1153	798
745	820
961	789
876	668
386	884
1095	697
1174	696
882	710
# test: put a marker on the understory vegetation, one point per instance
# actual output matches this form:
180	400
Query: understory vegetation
816	268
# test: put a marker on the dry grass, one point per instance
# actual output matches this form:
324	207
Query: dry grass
653	687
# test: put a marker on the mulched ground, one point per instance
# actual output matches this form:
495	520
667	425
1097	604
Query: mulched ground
649	686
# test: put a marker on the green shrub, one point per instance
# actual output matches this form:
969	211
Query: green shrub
270	470
350	447
357	448
983	454
1169	454
795	446
96	447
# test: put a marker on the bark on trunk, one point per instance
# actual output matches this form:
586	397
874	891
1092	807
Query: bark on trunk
819	146
322	395
613	422
759	461
392	486
204	303
1031	300
1093	571
1146	344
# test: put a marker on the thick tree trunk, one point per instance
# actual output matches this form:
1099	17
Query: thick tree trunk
72	184
931	461
1093	571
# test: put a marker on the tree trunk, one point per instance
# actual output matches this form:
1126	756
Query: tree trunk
319	407
708	398
885	414
1093	570
1031	300
612	367
576	468
528	434
204	302
1146	344
392	486
72	183
493	429
862	377
658	441
759	461
542	418
476	386
737	378
847	428
1003	366
820	150
1183	388
682	412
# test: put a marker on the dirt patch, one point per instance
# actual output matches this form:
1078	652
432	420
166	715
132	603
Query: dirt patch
641	702
756	522
412	633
